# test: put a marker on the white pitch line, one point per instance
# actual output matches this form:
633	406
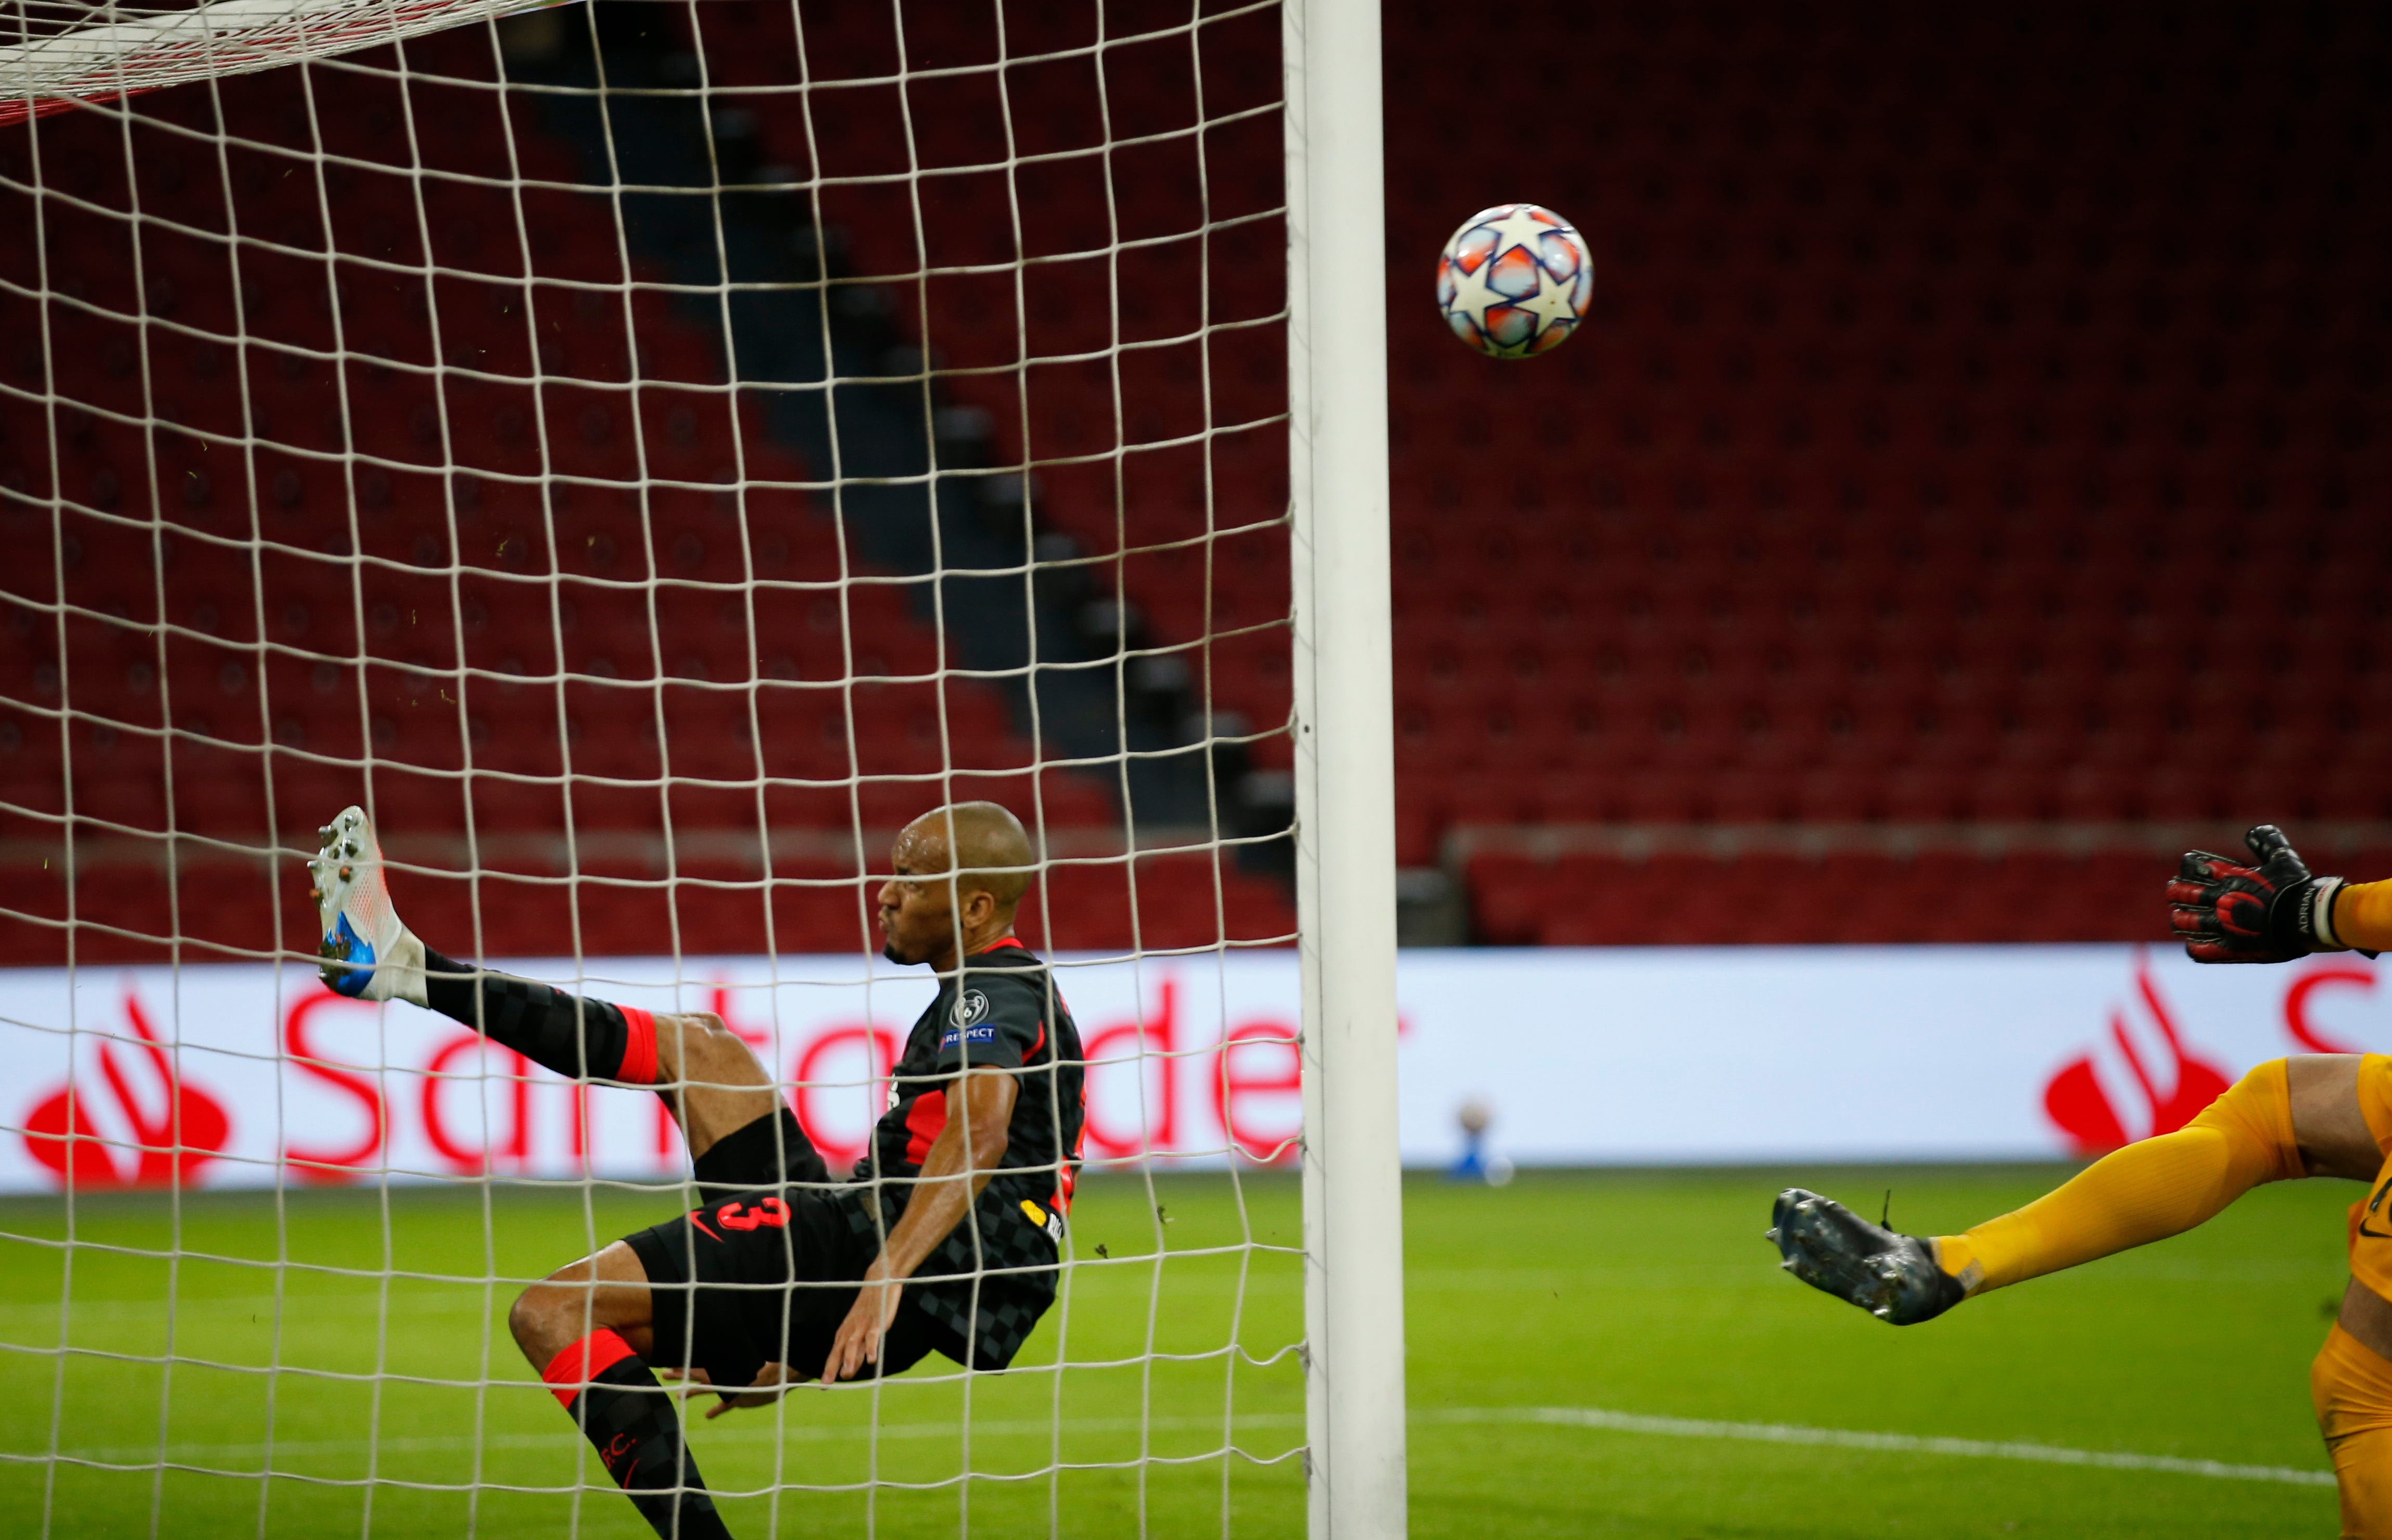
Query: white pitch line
1560	1417
1901	1444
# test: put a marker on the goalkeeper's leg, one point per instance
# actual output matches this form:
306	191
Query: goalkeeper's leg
2145	1192
709	1078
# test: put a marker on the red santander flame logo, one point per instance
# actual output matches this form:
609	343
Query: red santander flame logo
168	1130
2082	1107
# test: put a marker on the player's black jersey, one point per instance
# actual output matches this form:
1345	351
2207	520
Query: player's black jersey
1002	1011
742	1254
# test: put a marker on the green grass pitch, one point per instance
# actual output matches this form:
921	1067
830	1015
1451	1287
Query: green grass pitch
1641	1292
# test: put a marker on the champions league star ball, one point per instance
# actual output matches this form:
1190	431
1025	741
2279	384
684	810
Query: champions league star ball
1514	280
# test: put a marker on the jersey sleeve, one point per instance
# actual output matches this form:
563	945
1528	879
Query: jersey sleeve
998	1022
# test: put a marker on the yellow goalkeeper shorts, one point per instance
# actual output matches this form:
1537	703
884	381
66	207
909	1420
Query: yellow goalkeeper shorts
2352	1389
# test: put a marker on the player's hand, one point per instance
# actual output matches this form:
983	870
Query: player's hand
771	1382
2267	910
868	1321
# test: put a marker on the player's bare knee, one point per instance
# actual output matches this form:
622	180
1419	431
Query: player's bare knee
532	1321
554	1313
705	1033
704	1052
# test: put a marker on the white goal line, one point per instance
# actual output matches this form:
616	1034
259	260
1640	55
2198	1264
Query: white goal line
1896	1443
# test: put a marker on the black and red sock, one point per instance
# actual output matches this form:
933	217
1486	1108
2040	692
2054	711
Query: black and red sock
628	1417
582	1039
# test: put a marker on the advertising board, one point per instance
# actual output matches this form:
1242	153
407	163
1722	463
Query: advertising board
246	1075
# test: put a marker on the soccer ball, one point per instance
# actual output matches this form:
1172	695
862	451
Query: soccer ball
1514	280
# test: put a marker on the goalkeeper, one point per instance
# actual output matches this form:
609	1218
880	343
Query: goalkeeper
945	1240
2315	1115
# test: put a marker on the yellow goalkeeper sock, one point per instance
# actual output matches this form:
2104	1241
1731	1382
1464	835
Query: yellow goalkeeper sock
2362	915
2143	1193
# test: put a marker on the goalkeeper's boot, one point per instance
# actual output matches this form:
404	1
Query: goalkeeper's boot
1893	1276
367	953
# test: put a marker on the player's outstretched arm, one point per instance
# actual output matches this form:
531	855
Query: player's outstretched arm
2362	916
958	1165
2266	909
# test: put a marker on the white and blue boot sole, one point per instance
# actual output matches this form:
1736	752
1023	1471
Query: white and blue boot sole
367	953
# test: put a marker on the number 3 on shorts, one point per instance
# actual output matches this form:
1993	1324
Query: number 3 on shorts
771	1211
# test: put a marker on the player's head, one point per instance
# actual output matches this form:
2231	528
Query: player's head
961	871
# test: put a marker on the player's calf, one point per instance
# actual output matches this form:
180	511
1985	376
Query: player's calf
582	1328
578	1037
1893	1277
706	1073
369	954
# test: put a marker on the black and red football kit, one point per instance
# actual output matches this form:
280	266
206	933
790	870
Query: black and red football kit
766	1268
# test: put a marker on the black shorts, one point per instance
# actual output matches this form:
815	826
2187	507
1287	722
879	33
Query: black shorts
766	1267
765	1277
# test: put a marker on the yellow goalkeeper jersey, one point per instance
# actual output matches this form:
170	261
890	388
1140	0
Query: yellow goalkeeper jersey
2371	1217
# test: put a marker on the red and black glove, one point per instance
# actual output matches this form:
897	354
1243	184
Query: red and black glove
2269	909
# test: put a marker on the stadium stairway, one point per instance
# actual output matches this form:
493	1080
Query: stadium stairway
1101	687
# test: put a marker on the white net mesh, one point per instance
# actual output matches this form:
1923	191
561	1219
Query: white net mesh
644	454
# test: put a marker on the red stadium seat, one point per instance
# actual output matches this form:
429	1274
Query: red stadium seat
1922	513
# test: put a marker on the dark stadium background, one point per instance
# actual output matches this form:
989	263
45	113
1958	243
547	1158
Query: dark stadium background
1976	451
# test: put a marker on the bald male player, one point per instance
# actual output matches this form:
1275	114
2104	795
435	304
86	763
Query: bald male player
2314	1115
944	1240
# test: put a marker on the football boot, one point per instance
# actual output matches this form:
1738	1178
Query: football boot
1893	1276
367	953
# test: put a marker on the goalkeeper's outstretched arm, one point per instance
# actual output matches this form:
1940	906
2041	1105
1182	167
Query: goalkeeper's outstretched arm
2269	909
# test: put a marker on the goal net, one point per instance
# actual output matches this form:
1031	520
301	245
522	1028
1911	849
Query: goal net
645	453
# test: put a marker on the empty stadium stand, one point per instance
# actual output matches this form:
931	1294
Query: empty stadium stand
528	598
1982	420
1980	426
1974	410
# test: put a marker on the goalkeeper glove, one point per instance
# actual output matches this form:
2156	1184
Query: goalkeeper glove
2268	910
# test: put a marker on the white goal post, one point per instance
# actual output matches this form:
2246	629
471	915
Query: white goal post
1345	779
